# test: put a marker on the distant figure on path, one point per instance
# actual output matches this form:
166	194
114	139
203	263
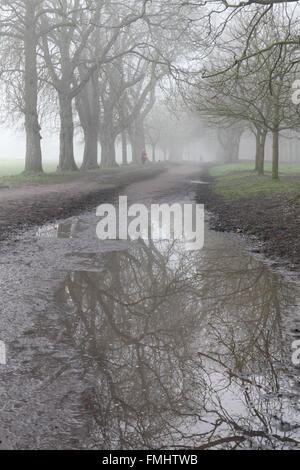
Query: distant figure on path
143	157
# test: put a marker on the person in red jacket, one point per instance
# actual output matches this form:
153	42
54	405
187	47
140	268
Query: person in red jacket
143	157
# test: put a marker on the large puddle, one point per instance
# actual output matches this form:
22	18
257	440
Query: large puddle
143	345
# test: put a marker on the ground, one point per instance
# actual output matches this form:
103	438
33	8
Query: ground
244	202
26	201
99	333
240	200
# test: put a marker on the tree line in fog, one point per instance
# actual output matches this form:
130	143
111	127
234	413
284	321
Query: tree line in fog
134	72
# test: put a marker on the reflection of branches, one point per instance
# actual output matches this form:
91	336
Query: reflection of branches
169	342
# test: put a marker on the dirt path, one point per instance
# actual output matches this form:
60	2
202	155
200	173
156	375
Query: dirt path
23	207
29	205
170	184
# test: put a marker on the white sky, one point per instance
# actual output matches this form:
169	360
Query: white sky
12	146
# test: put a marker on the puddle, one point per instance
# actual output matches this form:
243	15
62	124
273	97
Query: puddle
67	229
186	349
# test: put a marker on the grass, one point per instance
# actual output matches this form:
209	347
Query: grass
12	173
239	181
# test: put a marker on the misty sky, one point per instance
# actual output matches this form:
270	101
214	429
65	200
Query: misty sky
13	146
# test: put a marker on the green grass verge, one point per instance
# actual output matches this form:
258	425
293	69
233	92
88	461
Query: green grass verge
239	181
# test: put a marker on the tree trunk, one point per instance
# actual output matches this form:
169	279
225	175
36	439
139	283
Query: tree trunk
275	147
261	153
90	156
134	150
33	158
154	153
66	155
124	149
258	137
108	150
275	155
138	142
235	148
230	140
290	150
87	104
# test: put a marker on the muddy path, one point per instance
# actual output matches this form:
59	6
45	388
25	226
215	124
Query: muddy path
23	207
135	345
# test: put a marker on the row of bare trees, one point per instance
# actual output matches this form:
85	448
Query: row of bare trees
95	63
248	79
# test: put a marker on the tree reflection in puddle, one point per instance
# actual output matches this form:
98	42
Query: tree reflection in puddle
187	350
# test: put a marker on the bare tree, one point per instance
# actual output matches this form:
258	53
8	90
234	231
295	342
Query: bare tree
65	55
21	22
259	91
